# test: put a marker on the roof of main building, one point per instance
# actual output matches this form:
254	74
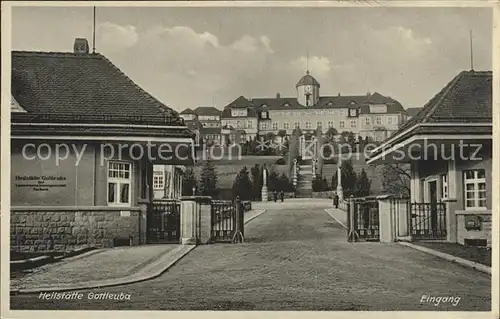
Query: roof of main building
361	102
308	80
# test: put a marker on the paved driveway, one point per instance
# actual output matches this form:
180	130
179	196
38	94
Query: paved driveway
296	259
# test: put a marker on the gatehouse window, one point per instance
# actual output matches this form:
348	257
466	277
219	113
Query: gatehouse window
475	189
159	180
119	183
444	186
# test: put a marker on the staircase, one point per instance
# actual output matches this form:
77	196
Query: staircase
304	180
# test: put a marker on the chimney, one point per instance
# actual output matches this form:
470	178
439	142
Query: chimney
278	95
81	46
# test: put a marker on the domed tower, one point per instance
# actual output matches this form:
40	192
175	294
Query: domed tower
308	90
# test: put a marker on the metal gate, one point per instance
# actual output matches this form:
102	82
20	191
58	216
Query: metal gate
223	220
428	221
363	220
163	222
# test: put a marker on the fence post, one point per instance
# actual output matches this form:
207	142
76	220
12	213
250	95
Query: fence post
353	232
238	231
386	220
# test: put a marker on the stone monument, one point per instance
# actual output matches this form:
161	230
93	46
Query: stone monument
340	191
264	184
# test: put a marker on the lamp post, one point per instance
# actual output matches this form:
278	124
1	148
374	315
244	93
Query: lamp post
340	191
194	191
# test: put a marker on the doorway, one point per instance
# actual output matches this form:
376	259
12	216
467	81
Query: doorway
433	201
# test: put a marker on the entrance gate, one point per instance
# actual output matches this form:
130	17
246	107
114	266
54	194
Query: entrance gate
163	222
224	221
428	220
363	220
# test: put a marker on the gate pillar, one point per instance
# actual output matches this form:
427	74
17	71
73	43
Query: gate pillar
195	220
142	231
386	220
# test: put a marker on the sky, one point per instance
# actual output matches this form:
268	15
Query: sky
190	57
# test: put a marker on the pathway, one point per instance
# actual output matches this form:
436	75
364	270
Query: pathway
296	258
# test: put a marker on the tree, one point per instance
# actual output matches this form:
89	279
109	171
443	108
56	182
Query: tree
188	182
284	184
395	179
270	136
350	138
363	185
331	133
273	181
208	180
282	133
242	184
256	177
349	178
319	184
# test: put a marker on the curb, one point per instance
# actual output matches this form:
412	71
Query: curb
151	271
448	257
39	261
461	261
338	221
262	211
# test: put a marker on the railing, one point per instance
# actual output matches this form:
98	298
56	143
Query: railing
223	220
363	219
428	220
163	221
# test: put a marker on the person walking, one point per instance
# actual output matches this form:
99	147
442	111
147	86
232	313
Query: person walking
336	201
275	195
282	195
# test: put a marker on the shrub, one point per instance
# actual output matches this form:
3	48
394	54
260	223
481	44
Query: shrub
281	161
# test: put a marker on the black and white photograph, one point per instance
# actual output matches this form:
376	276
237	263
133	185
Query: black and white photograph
334	156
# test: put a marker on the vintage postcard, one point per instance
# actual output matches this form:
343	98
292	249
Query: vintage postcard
330	157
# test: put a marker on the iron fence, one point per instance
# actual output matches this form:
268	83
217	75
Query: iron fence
163	222
363	220
428	220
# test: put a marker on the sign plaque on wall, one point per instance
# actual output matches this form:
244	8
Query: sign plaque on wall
40	183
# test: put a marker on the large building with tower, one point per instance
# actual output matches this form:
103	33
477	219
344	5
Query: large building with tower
370	115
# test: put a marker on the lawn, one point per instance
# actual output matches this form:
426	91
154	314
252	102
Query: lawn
480	255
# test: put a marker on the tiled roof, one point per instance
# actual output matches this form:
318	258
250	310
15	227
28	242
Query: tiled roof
412	111
241	102
188	111
194	124
61	87
466	98
207	110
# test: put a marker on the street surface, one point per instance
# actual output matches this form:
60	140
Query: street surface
295	258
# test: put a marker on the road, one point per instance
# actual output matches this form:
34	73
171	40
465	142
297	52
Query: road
295	259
